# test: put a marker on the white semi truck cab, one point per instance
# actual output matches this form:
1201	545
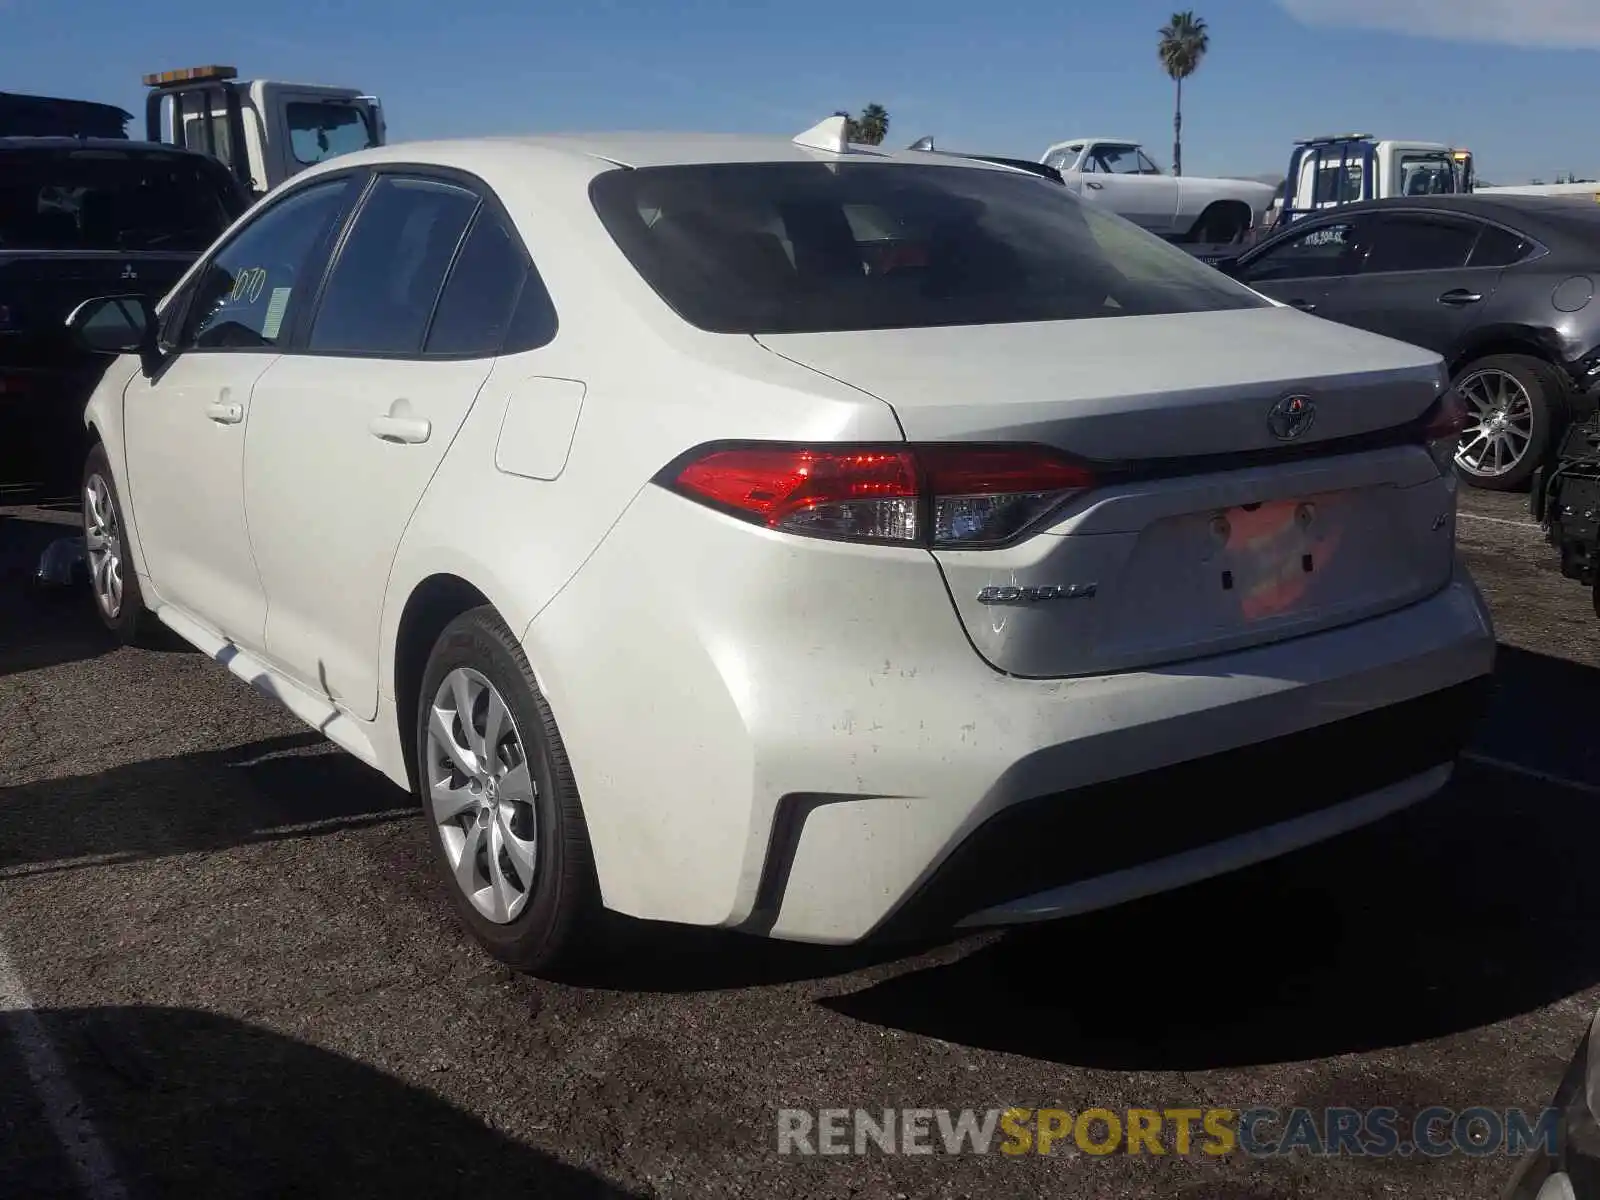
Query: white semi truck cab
263	130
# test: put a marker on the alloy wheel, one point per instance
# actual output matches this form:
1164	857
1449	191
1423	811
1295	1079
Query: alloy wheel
482	795
1500	423
102	539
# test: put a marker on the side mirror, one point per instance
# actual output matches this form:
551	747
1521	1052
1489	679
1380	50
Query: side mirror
117	325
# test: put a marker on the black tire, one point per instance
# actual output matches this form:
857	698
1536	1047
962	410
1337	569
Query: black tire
1221	225
562	910
132	623
1546	395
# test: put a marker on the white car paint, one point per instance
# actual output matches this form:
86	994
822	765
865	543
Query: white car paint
1169	205
782	733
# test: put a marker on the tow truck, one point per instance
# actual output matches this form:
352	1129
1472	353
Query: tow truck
263	130
1343	168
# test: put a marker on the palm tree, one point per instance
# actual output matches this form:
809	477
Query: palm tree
869	129
1184	43
873	124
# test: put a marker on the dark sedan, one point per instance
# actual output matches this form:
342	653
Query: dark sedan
1501	287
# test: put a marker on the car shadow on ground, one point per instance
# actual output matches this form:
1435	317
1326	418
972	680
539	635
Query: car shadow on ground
1478	905
188	1103
260	791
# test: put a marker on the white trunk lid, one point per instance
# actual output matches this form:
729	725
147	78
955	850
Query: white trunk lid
1248	541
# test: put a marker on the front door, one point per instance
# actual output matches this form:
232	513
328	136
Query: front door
1308	268
348	430
185	427
1130	185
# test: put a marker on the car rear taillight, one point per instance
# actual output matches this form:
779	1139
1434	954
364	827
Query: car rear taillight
934	495
1442	427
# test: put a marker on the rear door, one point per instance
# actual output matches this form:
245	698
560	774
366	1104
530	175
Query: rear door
347	431
1310	267
1417	280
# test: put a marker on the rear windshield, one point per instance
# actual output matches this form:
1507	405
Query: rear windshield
819	247
94	199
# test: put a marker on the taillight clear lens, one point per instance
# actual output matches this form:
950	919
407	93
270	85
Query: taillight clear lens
860	495
1446	422
986	495
930	495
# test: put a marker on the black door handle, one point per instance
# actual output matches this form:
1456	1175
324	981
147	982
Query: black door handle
1302	305
1460	296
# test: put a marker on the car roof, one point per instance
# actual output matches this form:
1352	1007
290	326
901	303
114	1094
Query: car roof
1116	141
126	145
640	150
1508	208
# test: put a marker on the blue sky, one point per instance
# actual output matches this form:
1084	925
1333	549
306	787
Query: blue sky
1515	80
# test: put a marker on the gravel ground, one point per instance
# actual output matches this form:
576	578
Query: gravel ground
231	936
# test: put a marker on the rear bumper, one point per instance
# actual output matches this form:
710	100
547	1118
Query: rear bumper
801	746
1060	854
1202	770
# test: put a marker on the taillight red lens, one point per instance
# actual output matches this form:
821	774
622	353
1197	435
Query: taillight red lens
947	496
864	494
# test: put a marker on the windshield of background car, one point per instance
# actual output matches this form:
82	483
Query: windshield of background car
320	131
1427	174
93	199
822	247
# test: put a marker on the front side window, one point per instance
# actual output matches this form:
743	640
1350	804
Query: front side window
1323	250
1118	160
784	248
104	199
383	287
1146	167
243	295
319	131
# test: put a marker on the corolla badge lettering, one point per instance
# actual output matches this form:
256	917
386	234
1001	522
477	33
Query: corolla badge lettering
1290	417
1031	595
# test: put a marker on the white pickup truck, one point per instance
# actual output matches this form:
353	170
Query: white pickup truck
1117	173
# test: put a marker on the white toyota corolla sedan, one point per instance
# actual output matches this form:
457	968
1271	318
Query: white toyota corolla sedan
817	541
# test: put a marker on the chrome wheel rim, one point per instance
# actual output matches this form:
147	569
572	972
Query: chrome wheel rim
102	539
482	794
1500	423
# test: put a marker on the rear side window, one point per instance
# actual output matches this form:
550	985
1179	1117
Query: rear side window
1414	242
1499	247
476	305
104	199
383	287
814	247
